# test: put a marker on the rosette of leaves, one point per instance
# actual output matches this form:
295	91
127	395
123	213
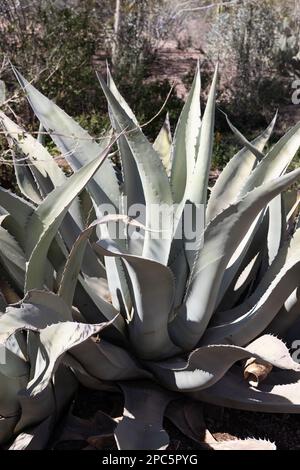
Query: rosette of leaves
146	315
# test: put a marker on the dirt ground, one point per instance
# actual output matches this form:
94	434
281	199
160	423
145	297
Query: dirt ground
223	424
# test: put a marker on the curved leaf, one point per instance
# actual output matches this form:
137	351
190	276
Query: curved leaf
46	219
208	364
92	285
75	143
231	391
276	161
287	316
221	237
157	191
106	362
12	257
163	143
234	175
20	211
196	189
152	286
132	185
253	149
142	425
186	138
36	311
249	319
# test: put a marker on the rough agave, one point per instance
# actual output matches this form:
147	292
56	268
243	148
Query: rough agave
166	325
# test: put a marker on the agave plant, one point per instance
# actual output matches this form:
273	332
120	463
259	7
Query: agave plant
166	325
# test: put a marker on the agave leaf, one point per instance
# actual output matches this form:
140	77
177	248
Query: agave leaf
41	134
276	161
44	169
10	387
48	172
258	154
113	88
242	444
87	210
239	255
3	303
77	146
277	228
46	219
208	364
7	425
25	180
88	299
16	345
86	379
106	311
46	313
185	140
14	375
234	175
273	241
54	341
19	210
244	265
73	266
179	266
268	229
92	286
272	397
163	143
134	192
48	176
157	192
52	401
287	315
2	92
187	416
34	409
238	444
239	287
118	286
197	179
196	190
291	201
3	215
37	310
15	363
142	425
250	318
12	257
106	362
152	285
132	185
34	438
221	237
273	165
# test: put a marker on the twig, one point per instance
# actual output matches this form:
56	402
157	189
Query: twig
206	7
161	109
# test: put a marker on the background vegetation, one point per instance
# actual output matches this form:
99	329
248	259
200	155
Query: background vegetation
59	44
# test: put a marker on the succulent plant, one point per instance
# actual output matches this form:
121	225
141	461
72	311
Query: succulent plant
167	323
